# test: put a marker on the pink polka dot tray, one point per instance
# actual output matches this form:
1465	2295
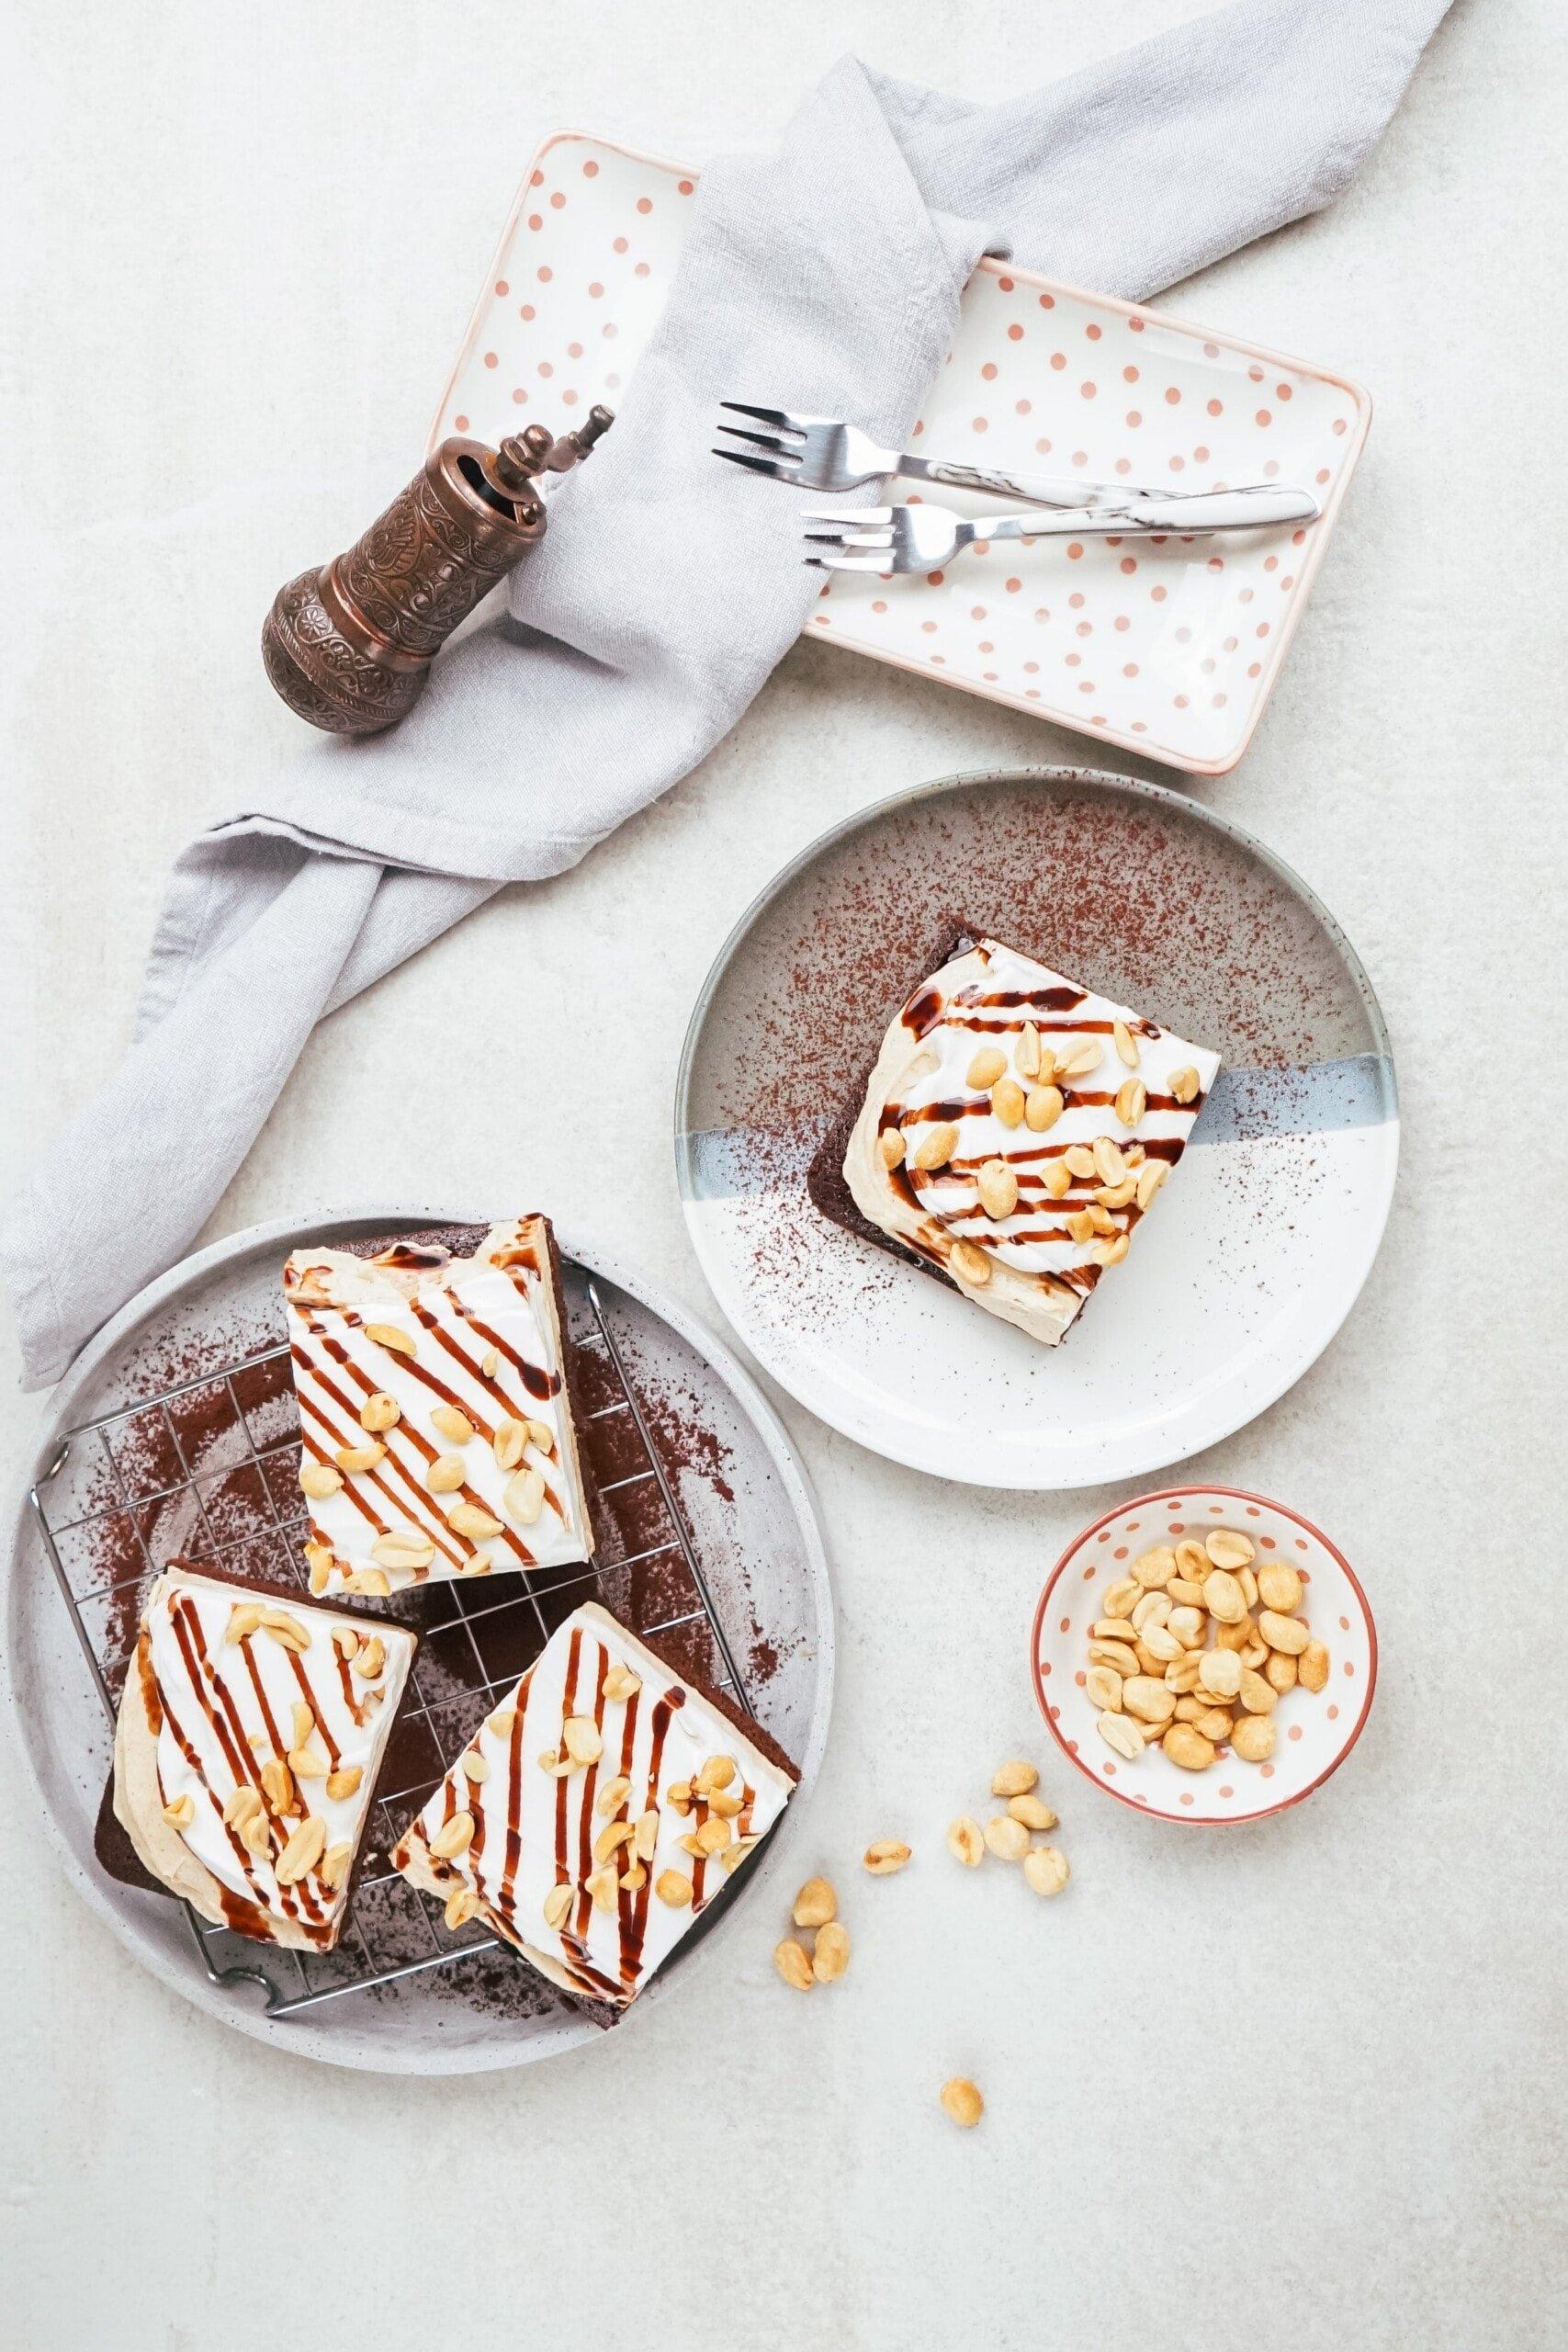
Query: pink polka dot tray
1313	1731
1171	650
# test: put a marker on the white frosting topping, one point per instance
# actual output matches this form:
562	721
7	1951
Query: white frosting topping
480	1338
535	1831
1040	1257
228	1707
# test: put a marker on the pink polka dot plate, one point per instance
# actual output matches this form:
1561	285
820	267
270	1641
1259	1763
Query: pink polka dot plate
1171	649
1314	1731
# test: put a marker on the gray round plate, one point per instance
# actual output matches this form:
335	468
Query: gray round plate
734	1476
1257	1248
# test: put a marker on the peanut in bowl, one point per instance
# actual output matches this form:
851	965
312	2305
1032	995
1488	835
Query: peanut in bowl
1205	1654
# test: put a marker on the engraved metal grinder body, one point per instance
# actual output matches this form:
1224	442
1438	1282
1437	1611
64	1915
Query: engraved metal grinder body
349	644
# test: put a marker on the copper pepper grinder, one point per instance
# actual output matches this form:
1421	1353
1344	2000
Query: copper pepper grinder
349	645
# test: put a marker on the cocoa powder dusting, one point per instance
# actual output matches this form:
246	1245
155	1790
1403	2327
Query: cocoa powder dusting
1144	902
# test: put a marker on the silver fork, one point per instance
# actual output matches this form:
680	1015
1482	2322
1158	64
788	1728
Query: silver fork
820	453
922	538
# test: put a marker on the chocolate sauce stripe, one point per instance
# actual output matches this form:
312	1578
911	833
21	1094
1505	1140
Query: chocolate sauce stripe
574	1941
625	1897
972	1019
663	1715
540	1384
553	1497
189	1751
439	1331
280	1747
952	1108
435	1524
231	1735
356	1434
411	1366
424	1512
334	1754
427	1316
512	1852
151	1697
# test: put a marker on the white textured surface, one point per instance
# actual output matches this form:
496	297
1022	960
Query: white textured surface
1307	2077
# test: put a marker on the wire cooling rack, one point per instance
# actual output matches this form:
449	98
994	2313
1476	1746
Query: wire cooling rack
237	1506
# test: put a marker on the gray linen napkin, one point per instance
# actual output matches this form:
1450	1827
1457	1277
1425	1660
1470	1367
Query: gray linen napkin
825	276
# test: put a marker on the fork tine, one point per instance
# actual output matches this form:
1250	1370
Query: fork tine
850	539
794	451
773	467
854	518
775	417
877	563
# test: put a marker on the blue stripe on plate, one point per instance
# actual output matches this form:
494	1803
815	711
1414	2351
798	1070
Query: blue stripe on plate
1246	1105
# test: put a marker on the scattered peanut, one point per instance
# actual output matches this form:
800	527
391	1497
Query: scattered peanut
790	1958
816	1904
832	1955
889	1854
963	2102
1045	1868
1007	1838
966	1841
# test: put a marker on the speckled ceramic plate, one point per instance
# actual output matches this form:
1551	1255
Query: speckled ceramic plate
1258	1245
216	1476
1313	1731
1171	649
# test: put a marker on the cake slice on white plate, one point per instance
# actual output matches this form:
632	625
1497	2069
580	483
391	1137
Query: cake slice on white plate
250	1730
597	1812
1014	1130
436	1418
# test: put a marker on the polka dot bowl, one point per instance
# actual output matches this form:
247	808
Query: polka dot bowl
1316	1731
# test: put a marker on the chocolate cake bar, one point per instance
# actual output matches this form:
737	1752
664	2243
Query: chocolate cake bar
250	1731
597	1812
437	1413
1011	1132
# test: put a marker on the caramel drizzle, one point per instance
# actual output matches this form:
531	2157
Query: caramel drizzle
635	1933
538	1384
573	1936
511	1855
926	1011
573	1825
432	1523
223	1717
417	1504
427	1513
